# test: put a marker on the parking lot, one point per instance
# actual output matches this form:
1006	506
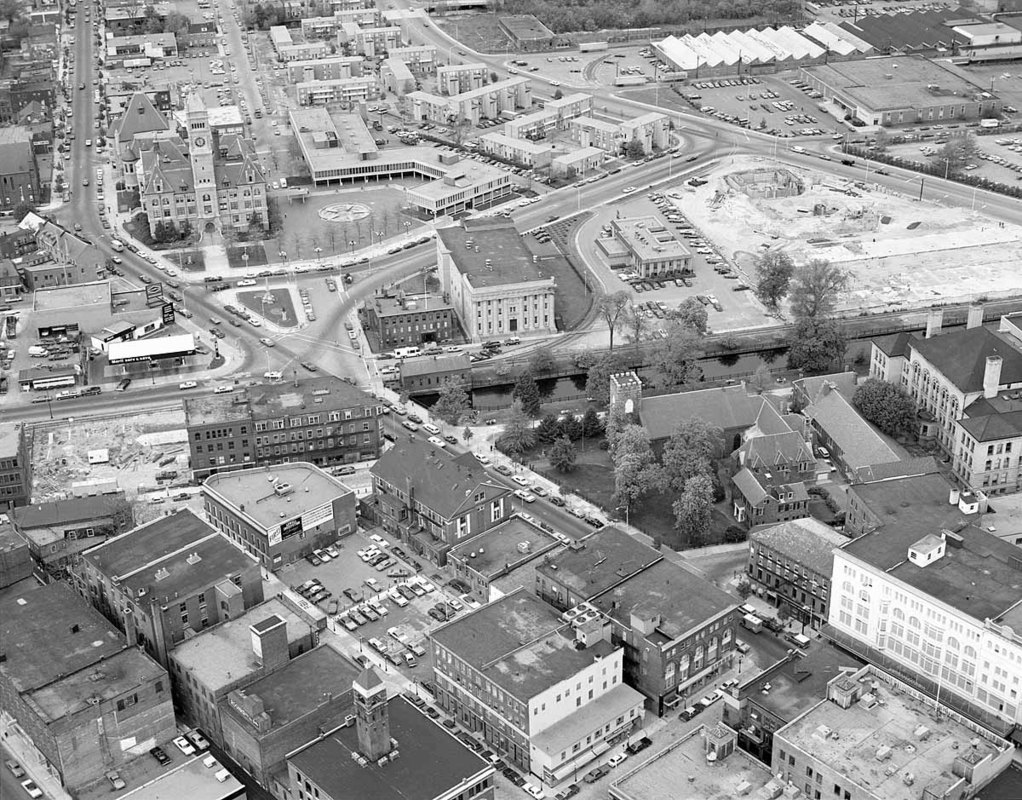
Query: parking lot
370	601
717	281
998	157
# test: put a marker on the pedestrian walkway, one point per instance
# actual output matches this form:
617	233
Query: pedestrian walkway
25	753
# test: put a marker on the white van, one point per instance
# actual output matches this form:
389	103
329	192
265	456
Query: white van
406	352
429	427
117	245
273	375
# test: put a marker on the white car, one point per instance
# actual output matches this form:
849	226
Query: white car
436	440
628	190
534	791
246	282
187	385
398	598
613	761
524	496
32	790
223	389
186	747
519	480
378	540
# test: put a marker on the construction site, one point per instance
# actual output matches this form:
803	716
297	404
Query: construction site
901	253
144	455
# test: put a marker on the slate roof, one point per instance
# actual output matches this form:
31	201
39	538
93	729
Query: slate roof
749	486
139	117
991	427
727	407
806	541
896	345
779	448
961	357
859	443
442	481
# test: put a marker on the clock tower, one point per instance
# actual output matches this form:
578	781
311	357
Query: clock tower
371	717
200	152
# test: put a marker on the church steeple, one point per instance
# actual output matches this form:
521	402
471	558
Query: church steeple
200	153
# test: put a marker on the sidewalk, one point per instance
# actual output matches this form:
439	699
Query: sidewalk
26	754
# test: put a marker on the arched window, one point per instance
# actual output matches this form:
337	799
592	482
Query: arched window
899	614
914	622
952	643
970	651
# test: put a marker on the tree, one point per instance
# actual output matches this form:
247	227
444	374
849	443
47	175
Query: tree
689	452
817	345
541	360
636	472
691	315
886	405
773	273
563	455
494	77
558	94
815	288
637	325
451	404
675	357
743	588
526	392
467	434
592	425
518	434
882	141
548	429
956	154
21	209
598	378
693	510
613	307
176	23
570	427
634	150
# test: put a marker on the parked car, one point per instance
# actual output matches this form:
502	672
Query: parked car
160	755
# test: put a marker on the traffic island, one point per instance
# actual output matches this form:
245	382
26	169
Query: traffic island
274	306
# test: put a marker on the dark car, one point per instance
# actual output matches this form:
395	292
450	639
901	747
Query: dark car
450	439
503	469
415	418
568	793
159	754
438	615
432	713
639	746
557	501
309	366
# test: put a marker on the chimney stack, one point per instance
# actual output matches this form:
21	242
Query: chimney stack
269	643
992	377
934	320
975	316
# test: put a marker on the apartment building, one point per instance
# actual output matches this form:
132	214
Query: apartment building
532	126
672	650
791	564
346	91
433	500
501	290
569	107
19	173
457	78
420	58
322	421
552	721
166	580
523	152
489	101
368	42
14	466
582	162
325	69
279	514
652	130
590	132
410	320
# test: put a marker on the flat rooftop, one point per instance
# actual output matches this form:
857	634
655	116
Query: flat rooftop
807	541
216	408
648	244
304	683
458	177
504	547
656	591
252	491
491	640
441	362
604	559
218	656
866	727
511	261
798	681
681	772
322	394
10	439
981	578
51	631
897	82
431	763
76	296
160	556
395	307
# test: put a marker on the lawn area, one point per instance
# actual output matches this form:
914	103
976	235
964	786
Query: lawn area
256	255
574	295
280	312
593	480
188	260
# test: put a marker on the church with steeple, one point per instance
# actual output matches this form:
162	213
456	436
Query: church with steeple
189	175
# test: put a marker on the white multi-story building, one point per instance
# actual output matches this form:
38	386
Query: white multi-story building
325	69
544	689
346	91
940	608
966	384
458	78
653	130
489	101
521	151
495	283
368	42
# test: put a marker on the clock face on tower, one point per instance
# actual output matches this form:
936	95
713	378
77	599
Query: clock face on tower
200	142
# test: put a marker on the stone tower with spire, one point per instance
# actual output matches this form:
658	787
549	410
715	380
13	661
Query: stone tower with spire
200	153
371	719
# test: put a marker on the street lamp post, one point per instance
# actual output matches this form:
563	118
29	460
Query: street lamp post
351	244
318	251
